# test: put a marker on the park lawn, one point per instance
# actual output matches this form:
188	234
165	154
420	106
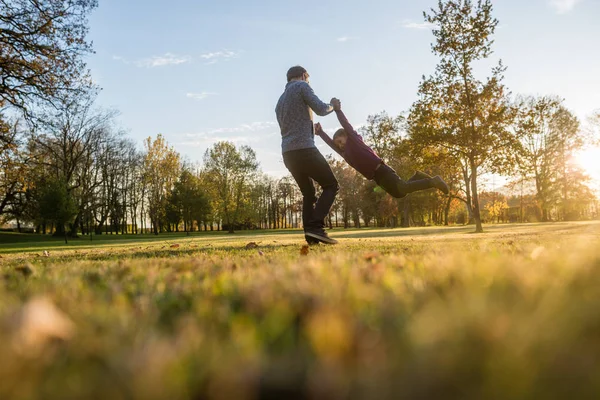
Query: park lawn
22	243
403	313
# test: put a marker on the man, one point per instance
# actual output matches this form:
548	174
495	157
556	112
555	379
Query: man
300	155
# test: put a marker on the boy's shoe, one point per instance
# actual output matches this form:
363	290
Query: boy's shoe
320	235
439	183
311	241
419	175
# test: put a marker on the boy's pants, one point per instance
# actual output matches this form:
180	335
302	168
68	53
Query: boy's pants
387	178
307	166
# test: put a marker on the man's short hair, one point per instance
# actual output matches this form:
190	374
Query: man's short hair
295	72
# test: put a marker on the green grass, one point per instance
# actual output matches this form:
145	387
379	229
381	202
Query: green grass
419	313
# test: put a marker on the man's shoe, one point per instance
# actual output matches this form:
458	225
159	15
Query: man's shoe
419	175
321	236
439	183
311	241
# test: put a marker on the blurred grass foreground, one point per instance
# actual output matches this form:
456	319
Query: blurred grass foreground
511	314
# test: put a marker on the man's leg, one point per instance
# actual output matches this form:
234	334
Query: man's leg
295	163
321	172
305	166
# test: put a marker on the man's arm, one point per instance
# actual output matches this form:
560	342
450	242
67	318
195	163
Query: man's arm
310	98
320	132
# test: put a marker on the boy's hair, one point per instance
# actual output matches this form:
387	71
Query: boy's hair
340	133
296	72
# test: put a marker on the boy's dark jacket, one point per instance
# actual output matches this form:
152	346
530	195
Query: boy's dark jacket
356	153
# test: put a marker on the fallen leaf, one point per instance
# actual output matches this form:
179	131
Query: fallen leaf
372	256
175	246
260	253
304	250
251	245
26	270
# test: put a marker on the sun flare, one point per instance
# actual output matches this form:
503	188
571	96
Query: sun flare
589	160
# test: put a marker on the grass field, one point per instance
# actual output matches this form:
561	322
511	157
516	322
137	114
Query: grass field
430	313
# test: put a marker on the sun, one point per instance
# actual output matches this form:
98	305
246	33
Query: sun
589	161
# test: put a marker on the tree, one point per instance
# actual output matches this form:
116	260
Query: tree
43	44
567	140
13	163
188	201
536	160
550	135
351	183
230	170
161	169
76	143
382	133
456	111
56	205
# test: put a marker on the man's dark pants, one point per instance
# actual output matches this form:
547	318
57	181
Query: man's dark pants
308	166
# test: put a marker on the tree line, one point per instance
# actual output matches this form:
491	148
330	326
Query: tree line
66	167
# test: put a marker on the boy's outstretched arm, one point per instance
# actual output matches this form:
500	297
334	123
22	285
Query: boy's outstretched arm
320	132
337	106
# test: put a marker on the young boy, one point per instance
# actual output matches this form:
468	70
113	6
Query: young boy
350	145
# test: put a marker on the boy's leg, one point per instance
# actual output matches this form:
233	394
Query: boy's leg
387	178
418	176
437	181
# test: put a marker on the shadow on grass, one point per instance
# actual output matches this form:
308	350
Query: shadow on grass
223	241
112	254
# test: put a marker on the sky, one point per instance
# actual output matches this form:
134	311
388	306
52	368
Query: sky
200	71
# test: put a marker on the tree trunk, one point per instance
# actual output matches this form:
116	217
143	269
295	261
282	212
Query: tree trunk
447	211
406	212
476	213
75	226
467	178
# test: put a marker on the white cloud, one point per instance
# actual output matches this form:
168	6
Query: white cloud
174	59
343	39
207	139
216	56
563	6
119	58
161	61
155	61
243	128
408	24
253	132
200	96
